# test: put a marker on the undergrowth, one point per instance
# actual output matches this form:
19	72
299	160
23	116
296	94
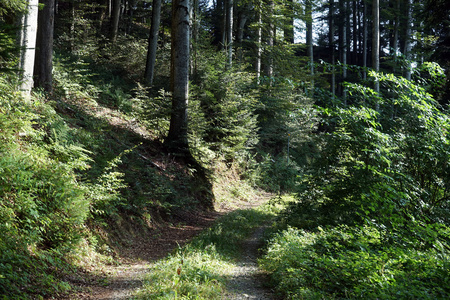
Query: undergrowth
353	263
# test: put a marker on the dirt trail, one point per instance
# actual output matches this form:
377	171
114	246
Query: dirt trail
118	282
247	280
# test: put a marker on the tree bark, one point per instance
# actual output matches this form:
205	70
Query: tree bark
258	41
27	42
355	33
365	44
309	41
240	35
343	44
396	28
376	40
229	33
268	61
407	50
177	139
115	20
43	64
331	41
153	42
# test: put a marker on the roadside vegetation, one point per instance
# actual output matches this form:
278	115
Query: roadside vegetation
371	216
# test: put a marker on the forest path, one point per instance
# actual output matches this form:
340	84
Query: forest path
246	278
121	281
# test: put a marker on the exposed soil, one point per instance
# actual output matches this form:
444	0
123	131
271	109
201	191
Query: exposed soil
247	280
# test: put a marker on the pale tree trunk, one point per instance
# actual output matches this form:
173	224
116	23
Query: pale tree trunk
376	41
355	33
309	41
153	42
396	28
343	44
268	65
29	24
376	45
43	64
229	33
177	139
365	45
331	40
115	20
407	51
259	42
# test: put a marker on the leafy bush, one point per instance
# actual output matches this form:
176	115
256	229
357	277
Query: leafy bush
388	167
354	263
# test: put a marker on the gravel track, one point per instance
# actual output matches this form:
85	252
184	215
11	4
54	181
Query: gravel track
246	278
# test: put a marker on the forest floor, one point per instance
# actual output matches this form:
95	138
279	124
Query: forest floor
121	280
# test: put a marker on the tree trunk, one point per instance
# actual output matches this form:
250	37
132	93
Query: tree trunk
396	28
43	64
309	41
331	41
365	45
229	33
131	7
115	20
177	139
268	61
27	42
376	41
258	42
240	35
343	44
153	42
355	33
407	51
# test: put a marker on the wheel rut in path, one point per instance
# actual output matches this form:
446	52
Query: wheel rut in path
247	280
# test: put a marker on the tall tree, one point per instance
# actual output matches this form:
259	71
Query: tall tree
309	39
365	39
243	18
229	32
331	42
268	63
376	40
258	39
177	139
153	42
115	19
343	42
29	23
407	50
43	64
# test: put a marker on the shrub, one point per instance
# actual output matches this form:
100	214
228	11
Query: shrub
345	262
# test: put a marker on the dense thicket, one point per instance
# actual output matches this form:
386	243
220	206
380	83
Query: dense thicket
299	97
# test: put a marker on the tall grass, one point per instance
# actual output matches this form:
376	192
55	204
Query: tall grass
201	269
